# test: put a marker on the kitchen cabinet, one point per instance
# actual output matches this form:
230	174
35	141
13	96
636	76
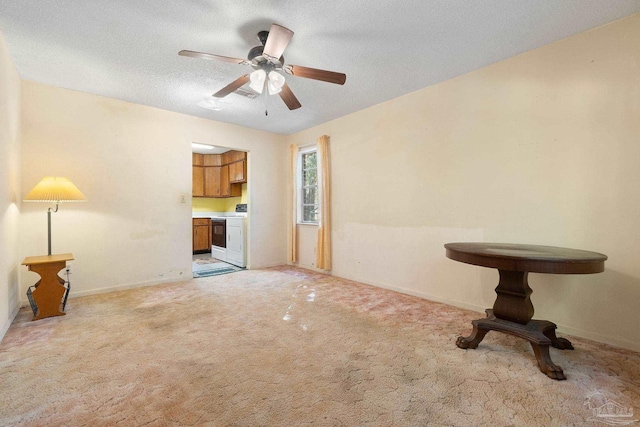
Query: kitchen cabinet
219	175
237	161
201	235
198	175
197	159
198	181
237	172
212	181
225	189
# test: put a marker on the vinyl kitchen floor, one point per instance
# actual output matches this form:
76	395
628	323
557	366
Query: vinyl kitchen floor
204	265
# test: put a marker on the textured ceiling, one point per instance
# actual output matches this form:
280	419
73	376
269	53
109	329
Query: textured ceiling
128	49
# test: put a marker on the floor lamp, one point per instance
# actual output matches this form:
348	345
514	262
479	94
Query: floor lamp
54	189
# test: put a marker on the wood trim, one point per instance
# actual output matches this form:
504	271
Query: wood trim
197	159
212	160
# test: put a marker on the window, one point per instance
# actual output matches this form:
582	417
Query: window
308	199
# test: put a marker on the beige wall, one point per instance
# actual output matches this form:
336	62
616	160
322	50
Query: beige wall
543	148
134	165
9	188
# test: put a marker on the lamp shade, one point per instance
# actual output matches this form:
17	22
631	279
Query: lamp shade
276	81
257	80
55	189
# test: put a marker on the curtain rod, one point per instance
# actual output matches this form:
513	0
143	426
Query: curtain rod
307	145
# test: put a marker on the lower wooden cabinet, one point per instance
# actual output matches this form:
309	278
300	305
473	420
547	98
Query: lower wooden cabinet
201	235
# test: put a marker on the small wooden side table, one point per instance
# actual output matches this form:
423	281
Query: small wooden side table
49	292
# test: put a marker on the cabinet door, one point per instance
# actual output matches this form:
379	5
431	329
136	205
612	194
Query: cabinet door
198	181
201	238
224	181
237	172
212	181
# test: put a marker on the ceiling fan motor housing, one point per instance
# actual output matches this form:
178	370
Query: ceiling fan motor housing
262	36
256	53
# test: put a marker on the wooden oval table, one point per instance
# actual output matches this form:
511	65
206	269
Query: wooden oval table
513	311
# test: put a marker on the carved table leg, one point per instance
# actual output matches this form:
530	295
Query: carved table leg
549	330
472	341
545	364
540	334
512	297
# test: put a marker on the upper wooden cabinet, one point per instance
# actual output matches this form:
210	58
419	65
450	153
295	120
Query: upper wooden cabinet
219	175
198	181
197	159
212	181
237	172
198	175
237	161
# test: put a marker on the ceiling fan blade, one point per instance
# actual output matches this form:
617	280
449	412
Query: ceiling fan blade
313	73
289	98
232	86
277	42
193	54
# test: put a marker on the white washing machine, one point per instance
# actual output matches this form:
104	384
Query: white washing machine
236	241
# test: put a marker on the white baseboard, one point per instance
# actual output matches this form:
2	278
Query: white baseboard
9	321
313	268
613	341
77	294
269	265
563	329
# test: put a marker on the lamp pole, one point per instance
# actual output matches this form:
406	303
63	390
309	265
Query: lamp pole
49	211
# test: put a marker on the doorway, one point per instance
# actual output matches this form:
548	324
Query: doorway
219	193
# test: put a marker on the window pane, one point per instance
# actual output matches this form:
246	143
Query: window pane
309	187
309	161
310	213
310	196
309	177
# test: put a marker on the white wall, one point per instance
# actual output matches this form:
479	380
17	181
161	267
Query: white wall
133	163
543	148
9	188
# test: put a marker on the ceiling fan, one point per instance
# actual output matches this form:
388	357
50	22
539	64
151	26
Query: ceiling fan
266	61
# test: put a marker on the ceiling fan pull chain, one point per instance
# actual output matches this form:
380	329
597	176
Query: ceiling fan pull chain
266	112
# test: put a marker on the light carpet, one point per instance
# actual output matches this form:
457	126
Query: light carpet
289	347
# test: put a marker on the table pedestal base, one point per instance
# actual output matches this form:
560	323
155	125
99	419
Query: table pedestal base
540	333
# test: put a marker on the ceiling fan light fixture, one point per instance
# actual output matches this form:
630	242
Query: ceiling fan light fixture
257	79
276	81
265	60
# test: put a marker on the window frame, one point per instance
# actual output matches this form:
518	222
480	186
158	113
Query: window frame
300	188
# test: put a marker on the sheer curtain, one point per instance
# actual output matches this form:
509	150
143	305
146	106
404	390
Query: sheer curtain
293	170
323	256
